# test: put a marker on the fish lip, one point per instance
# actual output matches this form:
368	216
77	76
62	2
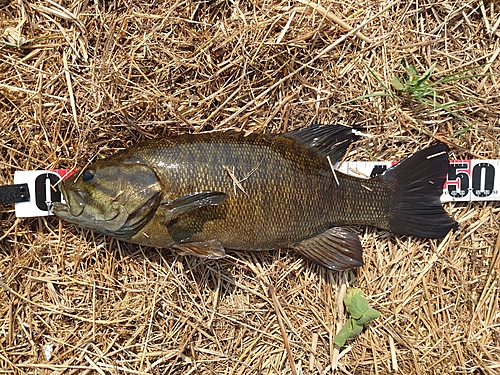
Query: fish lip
76	197
57	207
80	200
62	189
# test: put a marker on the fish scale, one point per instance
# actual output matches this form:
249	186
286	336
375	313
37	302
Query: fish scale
286	189
203	193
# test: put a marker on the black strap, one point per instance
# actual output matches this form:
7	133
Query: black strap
14	193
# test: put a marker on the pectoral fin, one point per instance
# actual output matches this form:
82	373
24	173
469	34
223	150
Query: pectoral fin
191	202
337	249
208	249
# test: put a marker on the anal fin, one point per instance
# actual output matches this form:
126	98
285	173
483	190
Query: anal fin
209	249
337	249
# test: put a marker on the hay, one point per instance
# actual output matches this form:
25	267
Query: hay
82	79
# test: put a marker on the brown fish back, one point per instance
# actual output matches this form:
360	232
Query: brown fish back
279	191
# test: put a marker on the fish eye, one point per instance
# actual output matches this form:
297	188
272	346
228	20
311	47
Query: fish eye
88	175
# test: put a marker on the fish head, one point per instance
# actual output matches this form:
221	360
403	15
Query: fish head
116	199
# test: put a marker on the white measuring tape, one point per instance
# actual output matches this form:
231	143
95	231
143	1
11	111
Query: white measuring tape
42	186
468	180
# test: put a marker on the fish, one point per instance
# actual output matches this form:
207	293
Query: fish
201	194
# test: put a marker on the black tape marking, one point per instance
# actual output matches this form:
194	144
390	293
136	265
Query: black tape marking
10	194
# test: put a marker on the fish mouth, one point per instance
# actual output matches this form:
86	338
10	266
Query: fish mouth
74	206
57	208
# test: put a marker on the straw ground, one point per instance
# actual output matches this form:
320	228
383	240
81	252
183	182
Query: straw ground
82	79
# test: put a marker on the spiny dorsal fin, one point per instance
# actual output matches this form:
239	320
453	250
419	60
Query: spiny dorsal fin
327	140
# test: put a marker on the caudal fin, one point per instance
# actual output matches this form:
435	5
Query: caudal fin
417	184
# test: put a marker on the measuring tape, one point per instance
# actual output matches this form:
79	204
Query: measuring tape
43	190
468	180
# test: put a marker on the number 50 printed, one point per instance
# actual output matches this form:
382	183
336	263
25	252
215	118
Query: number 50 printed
470	180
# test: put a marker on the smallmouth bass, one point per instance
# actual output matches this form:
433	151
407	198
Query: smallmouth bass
202	193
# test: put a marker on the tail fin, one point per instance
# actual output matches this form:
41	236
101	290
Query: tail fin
417	184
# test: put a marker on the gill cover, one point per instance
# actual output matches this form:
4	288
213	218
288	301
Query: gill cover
116	199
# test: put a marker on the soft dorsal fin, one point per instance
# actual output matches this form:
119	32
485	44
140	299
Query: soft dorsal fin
327	140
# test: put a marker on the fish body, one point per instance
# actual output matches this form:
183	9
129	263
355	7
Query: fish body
202	193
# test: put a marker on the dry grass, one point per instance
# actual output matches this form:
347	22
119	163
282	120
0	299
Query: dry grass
90	77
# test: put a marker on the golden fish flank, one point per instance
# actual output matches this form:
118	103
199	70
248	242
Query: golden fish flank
200	194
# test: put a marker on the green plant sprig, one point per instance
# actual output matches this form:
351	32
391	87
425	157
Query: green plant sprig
361	314
420	88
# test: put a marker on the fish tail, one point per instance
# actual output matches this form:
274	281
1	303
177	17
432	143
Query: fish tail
416	184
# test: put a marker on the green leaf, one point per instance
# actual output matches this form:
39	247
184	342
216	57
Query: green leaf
419	87
458	75
357	305
426	75
464	130
412	70
350	329
396	83
388	89
355	302
370	315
